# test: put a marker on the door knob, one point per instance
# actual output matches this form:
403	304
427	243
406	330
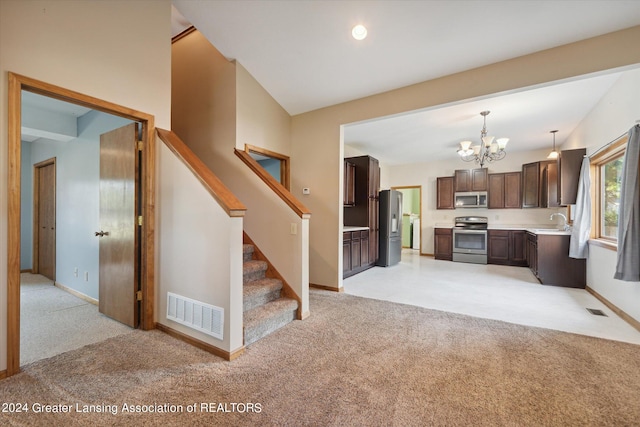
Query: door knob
102	233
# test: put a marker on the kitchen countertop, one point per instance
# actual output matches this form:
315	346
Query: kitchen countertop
354	228
532	228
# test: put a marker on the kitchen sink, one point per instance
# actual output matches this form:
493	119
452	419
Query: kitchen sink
548	231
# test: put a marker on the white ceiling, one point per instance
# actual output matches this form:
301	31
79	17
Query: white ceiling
302	53
525	117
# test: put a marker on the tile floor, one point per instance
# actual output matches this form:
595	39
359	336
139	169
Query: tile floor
511	294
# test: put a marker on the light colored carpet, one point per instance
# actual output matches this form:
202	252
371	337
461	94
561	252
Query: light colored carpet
53	321
355	361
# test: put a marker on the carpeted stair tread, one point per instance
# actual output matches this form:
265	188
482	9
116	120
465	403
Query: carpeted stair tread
265	319
253	270
259	292
247	252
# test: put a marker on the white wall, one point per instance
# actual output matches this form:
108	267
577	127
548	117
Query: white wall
204	242
614	115
83	46
425	174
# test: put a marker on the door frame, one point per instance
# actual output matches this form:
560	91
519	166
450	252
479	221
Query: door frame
35	267
414	187
18	83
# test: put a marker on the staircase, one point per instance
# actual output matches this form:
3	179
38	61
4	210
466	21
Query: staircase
265	309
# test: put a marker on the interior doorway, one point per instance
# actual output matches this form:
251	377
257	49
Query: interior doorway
44	219
145	265
411	216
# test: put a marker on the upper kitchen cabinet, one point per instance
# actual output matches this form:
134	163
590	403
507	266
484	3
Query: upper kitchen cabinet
540	184
471	179
349	195
505	190
444	192
569	165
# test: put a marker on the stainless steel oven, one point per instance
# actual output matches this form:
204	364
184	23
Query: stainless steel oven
470	239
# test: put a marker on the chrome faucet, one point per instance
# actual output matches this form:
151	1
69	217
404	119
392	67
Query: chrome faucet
565	227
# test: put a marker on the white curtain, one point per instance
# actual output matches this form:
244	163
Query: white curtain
578	246
628	264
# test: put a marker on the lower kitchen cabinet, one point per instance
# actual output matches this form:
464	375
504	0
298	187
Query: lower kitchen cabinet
443	244
548	258
355	252
506	247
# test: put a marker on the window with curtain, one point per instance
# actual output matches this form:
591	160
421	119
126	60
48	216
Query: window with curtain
607	173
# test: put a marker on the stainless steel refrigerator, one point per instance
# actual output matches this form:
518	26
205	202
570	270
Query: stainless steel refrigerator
390	220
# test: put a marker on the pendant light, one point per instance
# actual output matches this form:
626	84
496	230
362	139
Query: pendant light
553	154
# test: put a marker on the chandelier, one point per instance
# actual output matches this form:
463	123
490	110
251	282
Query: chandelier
487	151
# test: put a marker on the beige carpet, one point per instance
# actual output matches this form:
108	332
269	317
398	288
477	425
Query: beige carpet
355	361
53	321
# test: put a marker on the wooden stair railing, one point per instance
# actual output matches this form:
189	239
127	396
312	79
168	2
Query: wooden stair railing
225	198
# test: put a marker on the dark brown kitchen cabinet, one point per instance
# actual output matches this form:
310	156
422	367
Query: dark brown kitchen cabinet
548	258
443	244
364	211
540	184
569	165
355	252
471	179
505	190
444	192
532	253
506	247
349	198
346	253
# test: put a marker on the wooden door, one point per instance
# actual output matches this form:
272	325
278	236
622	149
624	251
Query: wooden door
44	221
118	224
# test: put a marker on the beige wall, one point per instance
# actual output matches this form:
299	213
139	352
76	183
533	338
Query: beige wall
261	121
83	46
317	149
612	117
207	88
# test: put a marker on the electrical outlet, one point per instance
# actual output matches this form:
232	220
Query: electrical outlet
75	272
306	191
294	228
86	276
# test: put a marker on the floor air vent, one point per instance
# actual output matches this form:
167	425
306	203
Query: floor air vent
196	315
596	312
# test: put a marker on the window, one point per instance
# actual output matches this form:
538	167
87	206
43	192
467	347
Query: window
611	178
607	178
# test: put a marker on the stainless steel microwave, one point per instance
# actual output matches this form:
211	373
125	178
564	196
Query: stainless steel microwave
471	199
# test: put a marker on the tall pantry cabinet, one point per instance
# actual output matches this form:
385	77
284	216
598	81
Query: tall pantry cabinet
364	212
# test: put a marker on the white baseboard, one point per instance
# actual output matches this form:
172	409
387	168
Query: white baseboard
78	294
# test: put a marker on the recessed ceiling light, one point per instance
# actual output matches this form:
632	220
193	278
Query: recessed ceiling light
359	32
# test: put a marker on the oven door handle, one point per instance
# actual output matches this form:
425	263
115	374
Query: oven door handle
471	231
